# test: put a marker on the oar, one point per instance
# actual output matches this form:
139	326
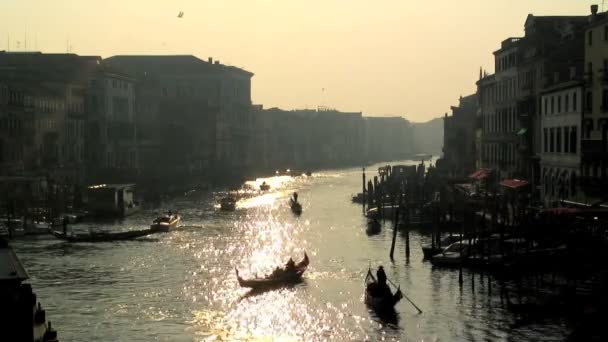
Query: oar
409	300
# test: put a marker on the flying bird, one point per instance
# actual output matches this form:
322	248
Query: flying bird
181	14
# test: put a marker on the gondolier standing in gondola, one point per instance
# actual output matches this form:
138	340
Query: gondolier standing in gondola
382	288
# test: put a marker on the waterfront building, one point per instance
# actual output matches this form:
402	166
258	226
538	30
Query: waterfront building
194	116
310	139
561	117
459	137
551	45
506	133
386	138
44	116
594	144
112	154
510	99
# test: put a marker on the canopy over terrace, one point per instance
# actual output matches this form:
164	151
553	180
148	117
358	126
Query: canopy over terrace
480	174
513	183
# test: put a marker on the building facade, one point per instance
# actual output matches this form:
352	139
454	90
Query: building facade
195	116
459	134
594	142
561	117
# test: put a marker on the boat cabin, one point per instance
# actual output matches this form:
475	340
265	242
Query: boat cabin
111	200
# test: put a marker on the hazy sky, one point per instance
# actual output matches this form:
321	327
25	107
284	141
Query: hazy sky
412	58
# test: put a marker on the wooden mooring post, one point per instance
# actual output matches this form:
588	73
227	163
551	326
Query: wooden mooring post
394	234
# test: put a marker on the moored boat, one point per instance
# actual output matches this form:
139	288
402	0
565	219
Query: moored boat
279	277
454	255
165	223
228	204
358	198
429	251
103	236
379	297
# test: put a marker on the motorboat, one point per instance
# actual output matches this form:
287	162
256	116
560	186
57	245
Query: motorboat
228	204
432	250
165	223
453	255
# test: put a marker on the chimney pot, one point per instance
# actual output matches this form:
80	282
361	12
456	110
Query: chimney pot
210	60
593	9
217	62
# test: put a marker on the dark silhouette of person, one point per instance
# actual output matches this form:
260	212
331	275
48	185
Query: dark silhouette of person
295	197
381	276
290	266
65	225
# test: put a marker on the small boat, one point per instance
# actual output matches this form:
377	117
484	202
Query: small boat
277	278
378	299
103	236
358	198
228	204
37	228
165	223
453	255
295	206
264	187
430	250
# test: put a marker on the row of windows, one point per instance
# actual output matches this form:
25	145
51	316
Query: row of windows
506	61
557	104
560	140
499	153
501	121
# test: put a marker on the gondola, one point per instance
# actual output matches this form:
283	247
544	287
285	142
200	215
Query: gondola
228	204
296	207
103	236
264	187
165	223
376	300
283	277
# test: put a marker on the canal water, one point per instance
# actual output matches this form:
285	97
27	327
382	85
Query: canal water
181	286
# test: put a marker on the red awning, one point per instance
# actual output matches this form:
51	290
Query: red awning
562	211
480	174
513	183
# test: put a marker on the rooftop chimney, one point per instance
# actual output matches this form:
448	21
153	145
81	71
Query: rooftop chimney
593	9
217	62
210	60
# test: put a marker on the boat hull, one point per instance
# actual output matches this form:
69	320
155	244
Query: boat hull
103	237
271	282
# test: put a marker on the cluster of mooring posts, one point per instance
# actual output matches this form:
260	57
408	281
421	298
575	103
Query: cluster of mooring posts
550	260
